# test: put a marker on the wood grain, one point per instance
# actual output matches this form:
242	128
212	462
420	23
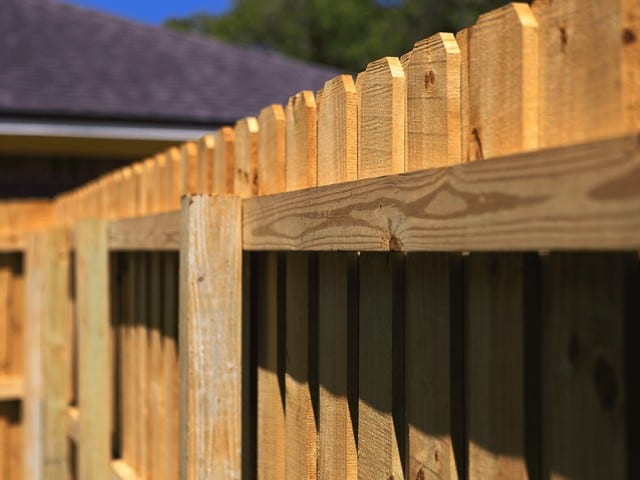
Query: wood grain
584	411
300	165
337	365
271	150
246	157
12	380
35	312
433	128
495	375
382	102
141	351
379	452
188	176
271	423
210	338
205	167
589	69
500	83
300	428
170	361
430	316
172	180
223	163
92	280
581	197
55	354
159	232
337	135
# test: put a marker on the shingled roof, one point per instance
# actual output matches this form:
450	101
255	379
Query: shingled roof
59	60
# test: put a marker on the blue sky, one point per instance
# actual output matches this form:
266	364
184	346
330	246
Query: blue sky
154	11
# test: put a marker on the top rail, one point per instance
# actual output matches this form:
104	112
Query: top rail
584	197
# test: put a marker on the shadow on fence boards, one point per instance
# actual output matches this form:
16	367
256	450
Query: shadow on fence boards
428	272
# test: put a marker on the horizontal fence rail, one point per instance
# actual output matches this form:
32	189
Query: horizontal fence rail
426	271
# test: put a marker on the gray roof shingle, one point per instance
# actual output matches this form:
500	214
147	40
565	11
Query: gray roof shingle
60	60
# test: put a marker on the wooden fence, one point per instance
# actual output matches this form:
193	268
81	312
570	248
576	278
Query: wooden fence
340	288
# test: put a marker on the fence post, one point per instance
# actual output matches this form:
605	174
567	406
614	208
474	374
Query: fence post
55	355
92	297
210	337
33	324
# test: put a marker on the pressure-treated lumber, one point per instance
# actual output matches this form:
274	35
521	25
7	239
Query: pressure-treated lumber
270	346
10	243
170	361
271	150
141	416
585	414
210	337
433	339
155	374
300	166
246	157
337	135
150	233
433	128
380	444
73	417
35	309
581	197
223	162
172	180
337	364
496	313
500	83
92	310
121	471
12	381
589	69
188	170
11	387
205	170
301	338
55	354
382	101
128	357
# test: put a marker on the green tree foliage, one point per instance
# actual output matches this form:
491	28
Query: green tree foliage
344	33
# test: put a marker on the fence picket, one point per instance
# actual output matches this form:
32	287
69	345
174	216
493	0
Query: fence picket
495	373
431	342
433	128
337	365
246	157
380	430
584	417
205	167
588	70
382	101
499	83
300	166
188	175
271	150
224	168
337	136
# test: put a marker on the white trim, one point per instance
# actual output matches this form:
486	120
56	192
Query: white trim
99	130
